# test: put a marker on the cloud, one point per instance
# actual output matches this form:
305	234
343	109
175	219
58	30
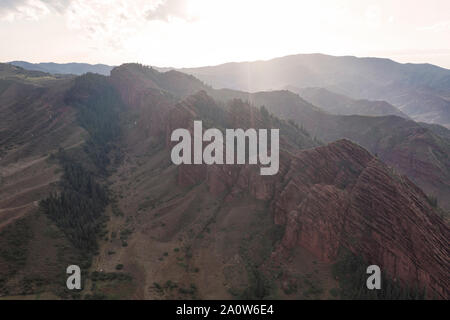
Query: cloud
11	10
162	10
111	23
105	22
165	10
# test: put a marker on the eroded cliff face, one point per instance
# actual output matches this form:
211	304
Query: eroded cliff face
329	197
340	196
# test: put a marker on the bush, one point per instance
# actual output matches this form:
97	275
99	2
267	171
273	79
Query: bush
433	201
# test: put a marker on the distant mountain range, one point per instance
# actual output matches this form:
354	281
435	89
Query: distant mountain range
65	68
342	105
345	85
421	91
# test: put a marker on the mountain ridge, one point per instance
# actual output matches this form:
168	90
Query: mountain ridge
75	68
422	91
402	143
341	105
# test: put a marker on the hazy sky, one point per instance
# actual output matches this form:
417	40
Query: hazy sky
205	32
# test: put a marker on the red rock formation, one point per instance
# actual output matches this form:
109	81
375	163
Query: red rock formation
338	196
329	197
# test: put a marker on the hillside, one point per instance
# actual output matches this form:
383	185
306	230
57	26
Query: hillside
421	91
209	235
35	122
144	228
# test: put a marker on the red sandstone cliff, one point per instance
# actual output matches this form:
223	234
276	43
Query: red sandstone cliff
340	195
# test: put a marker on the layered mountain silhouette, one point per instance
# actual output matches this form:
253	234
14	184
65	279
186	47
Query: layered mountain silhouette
86	176
339	104
417	150
420	91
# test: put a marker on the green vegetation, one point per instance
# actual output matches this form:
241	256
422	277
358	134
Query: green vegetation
110	285
299	136
191	290
170	285
255	249
433	201
13	252
157	285
265	114
78	208
125	233
115	208
23	241
211	114
98	106
106	276
313	287
290	288
334	292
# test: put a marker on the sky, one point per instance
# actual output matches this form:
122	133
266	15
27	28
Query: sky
188	33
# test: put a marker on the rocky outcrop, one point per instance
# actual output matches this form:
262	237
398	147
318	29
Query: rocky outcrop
340	196
329	197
